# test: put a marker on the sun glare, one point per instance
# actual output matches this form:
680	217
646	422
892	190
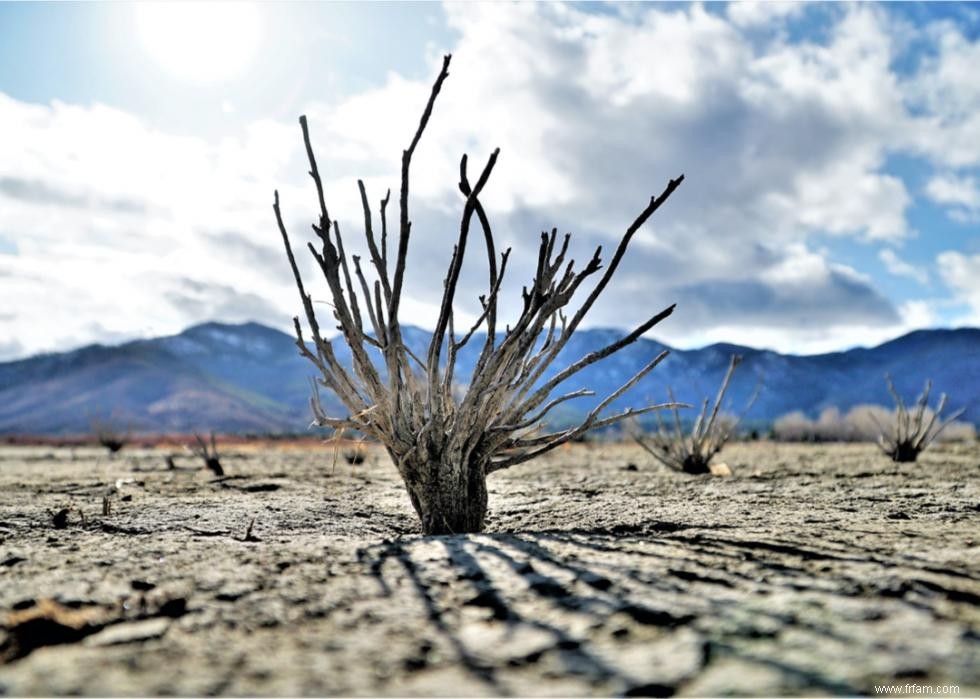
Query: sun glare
200	42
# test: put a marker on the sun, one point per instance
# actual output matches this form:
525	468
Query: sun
199	42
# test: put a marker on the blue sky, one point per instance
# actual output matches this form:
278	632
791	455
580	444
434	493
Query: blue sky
832	156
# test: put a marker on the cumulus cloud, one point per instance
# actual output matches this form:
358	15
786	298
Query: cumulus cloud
40	193
204	301
776	146
752	13
960	193
106	215
962	274
781	141
946	93
948	189
900	268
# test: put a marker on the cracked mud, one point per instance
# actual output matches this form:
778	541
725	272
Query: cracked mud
814	569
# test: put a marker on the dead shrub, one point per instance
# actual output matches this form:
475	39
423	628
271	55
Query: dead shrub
109	436
355	456
445	438
692	453
209	455
913	431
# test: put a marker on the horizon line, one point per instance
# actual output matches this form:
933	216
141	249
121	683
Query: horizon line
672	348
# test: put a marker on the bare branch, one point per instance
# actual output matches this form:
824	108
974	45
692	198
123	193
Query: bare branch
405	225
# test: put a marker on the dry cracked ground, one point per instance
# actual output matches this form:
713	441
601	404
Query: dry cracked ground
812	570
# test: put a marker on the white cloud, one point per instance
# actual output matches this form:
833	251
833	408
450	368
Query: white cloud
961	273
120	223
949	189
108	214
819	338
900	268
776	147
960	193
753	13
946	92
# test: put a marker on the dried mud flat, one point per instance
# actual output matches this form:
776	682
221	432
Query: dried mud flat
813	570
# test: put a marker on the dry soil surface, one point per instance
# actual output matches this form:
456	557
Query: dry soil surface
812	570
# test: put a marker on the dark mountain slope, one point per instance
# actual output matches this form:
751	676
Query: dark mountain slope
249	378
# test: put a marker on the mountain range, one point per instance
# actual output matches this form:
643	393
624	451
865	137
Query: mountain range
249	378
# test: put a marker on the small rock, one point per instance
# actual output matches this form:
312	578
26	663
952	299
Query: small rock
130	632
721	469
232	592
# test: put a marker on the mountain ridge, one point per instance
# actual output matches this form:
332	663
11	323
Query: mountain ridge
250	378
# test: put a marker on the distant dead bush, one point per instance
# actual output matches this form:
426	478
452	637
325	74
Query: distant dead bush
692	453
444	440
109	435
912	431
208	454
355	456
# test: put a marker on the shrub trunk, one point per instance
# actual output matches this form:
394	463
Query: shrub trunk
448	499
904	453
695	465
